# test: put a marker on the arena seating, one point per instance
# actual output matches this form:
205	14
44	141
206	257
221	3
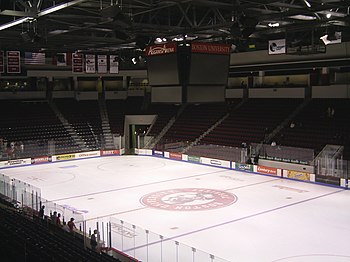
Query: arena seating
28	239
85	118
34	124
314	127
116	112
193	121
164	114
251	122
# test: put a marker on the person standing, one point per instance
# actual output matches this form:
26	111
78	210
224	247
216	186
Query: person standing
71	225
58	220
93	240
42	212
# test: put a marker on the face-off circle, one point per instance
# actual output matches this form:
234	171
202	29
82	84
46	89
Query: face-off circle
188	199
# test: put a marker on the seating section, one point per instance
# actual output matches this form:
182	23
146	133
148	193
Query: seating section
26	239
164	113
33	124
116	115
251	122
194	121
85	118
317	126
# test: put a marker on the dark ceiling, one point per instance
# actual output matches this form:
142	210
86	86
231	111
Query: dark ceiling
115	26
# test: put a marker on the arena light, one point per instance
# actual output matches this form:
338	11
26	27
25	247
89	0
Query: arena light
59	7
13	23
42	13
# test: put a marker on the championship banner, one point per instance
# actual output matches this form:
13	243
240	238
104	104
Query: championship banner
90	64
208	48
77	63
61	59
102	63
113	64
161	49
277	47
14	62
298	175
2	62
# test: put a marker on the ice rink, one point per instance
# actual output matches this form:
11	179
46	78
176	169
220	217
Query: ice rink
233	215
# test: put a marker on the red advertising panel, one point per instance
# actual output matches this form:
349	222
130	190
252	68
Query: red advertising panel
161	49
267	170
40	159
208	48
2	63
175	155
14	62
110	152
77	63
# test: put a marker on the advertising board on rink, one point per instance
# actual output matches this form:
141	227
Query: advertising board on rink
87	154
15	162
244	167
267	170
195	159
63	157
158	153
40	160
175	155
305	176
330	180
215	162
110	152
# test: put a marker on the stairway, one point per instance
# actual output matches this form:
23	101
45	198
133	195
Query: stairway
106	129
156	139
198	139
77	139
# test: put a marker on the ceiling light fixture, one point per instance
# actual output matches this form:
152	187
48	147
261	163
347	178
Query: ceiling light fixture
276	24
307	3
13	23
42	13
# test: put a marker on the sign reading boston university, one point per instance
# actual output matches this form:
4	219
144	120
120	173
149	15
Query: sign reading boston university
210	48
161	49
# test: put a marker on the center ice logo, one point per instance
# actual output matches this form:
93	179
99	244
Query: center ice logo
188	199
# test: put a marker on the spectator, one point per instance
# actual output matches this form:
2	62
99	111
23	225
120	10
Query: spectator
71	225
93	240
58	220
54	218
42	212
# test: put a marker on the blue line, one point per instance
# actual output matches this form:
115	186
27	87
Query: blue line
235	220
